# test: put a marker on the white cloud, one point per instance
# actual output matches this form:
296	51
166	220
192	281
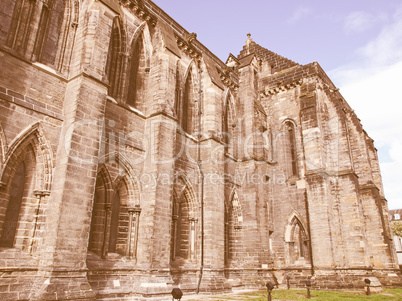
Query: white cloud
371	85
360	21
376	95
396	152
299	14
387	48
384	50
377	101
391	176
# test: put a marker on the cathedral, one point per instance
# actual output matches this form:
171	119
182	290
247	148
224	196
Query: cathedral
134	161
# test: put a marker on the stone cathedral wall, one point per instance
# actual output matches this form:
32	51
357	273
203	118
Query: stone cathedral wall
133	160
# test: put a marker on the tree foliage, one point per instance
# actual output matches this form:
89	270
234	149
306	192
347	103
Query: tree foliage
397	228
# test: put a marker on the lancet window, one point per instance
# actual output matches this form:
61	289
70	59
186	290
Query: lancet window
115	57
233	226
184	226
290	147
138	73
297	241
115	222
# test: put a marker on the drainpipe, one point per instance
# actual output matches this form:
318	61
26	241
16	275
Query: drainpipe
202	180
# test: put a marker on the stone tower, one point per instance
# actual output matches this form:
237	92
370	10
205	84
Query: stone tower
133	160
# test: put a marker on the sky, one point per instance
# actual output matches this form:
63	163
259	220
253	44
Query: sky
357	42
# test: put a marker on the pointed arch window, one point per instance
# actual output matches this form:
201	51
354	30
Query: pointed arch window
177	92
11	219
6	16
186	120
228	127
176	226
115	59
17	19
184	227
100	218
49	32
184	231
291	147
138	73
134	74
298	242
233	225
115	224
18	203
36	29
26	174
188	106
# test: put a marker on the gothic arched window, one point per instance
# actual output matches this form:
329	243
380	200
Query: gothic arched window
177	93
114	59
35	29
99	217
6	16
228	126
184	224
49	31
186	120
115	222
26	175
12	214
291	150
233	225
138	71
176	226
16	18
297	241
133	82
188	106
18	202
183	227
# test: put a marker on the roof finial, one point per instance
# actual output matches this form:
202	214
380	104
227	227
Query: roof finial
248	42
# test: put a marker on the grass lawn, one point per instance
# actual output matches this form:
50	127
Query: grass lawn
388	294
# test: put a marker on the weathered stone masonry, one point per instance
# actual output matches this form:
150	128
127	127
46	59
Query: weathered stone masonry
109	190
